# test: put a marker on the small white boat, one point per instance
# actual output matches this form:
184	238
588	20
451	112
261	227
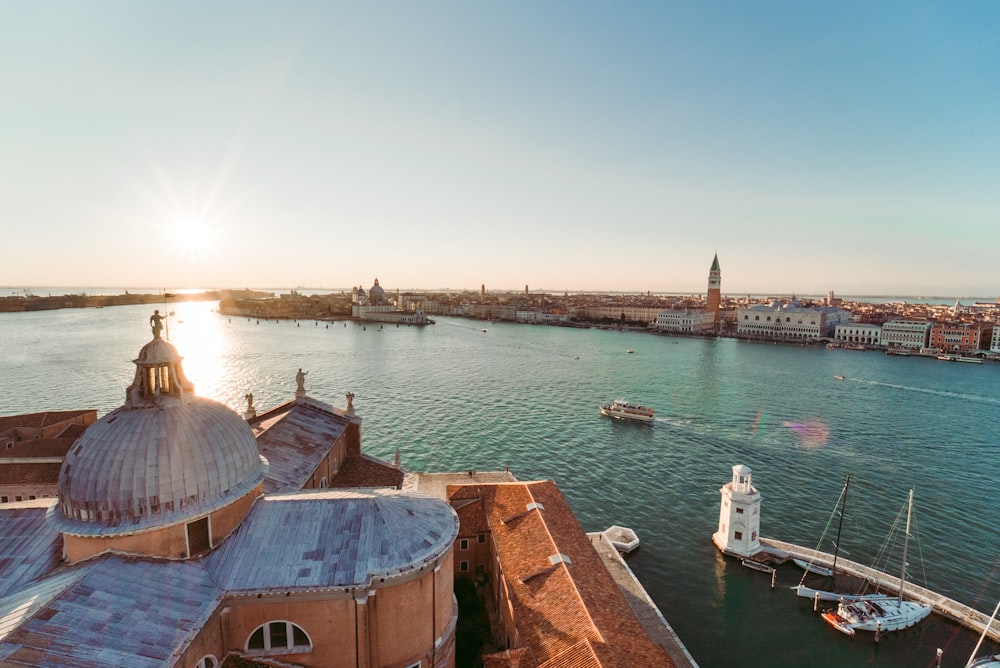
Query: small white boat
813	568
839	377
757	565
824	595
630	351
623	410
624	539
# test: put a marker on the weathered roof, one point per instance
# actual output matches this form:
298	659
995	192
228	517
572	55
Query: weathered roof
333	538
295	437
29	546
136	468
565	602
117	611
38	420
367	471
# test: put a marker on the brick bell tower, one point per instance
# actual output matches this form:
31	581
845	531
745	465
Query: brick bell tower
715	291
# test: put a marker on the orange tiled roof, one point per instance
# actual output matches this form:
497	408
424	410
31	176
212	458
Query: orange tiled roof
568	608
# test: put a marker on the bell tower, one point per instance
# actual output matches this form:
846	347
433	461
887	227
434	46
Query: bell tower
715	292
739	515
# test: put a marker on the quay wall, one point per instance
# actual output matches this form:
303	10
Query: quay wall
959	612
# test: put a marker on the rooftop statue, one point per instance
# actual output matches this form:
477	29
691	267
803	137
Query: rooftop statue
156	322
300	379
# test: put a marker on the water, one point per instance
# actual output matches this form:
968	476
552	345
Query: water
452	397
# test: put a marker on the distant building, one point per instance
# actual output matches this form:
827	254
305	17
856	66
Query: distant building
859	333
788	321
715	291
960	336
913	334
376	307
687	321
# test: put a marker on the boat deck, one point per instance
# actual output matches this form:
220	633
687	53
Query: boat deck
946	607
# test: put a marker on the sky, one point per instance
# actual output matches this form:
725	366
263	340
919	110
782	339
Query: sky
851	146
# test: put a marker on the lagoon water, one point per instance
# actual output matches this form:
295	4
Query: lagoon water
453	397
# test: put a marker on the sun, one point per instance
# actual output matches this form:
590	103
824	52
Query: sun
193	236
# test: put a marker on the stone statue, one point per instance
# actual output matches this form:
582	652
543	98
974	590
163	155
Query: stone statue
350	402
156	322
249	399
300	379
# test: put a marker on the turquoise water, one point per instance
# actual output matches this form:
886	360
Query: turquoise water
452	397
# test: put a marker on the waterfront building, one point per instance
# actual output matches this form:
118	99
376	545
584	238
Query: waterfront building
858	333
376	307
995	340
165	547
788	321
913	334
739	515
687	321
715	291
960	336
555	602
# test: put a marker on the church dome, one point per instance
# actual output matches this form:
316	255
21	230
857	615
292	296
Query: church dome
164	457
376	294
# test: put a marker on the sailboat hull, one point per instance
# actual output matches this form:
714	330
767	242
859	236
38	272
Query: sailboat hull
883	616
824	595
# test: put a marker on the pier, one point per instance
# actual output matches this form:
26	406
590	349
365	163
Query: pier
649	615
971	618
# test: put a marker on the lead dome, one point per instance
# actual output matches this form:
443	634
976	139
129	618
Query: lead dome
164	457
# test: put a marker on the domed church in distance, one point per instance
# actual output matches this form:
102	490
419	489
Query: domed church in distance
186	535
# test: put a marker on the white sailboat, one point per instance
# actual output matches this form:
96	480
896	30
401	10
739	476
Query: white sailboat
990	661
811	567
889	614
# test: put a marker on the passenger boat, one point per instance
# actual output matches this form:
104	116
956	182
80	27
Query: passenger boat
623	410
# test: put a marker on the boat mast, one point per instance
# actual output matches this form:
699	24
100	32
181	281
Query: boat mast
840	526
975	650
906	542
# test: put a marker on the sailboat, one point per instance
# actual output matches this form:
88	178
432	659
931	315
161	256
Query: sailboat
889	614
811	567
991	661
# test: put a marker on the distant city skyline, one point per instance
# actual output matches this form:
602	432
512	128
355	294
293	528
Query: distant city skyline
565	146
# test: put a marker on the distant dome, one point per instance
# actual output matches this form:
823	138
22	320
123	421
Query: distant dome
163	457
376	294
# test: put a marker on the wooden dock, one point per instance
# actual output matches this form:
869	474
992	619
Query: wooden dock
946	607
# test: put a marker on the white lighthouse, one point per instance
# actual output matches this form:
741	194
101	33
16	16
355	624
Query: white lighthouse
739	515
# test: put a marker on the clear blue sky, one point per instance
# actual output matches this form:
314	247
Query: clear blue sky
846	146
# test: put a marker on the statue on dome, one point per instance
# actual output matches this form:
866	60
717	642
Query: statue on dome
300	380
156	322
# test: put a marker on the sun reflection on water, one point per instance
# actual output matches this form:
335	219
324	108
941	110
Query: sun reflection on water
196	331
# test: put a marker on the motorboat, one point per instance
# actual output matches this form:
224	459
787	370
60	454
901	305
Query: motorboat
622	538
623	410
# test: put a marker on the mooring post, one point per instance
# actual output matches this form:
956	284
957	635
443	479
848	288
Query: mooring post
774	576
878	630
815	601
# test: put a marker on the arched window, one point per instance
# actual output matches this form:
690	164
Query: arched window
207	661
279	637
324	483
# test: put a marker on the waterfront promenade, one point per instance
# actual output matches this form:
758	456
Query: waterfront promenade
944	606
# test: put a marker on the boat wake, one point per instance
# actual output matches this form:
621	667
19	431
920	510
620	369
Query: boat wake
926	390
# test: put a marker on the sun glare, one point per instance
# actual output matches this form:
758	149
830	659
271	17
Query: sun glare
193	235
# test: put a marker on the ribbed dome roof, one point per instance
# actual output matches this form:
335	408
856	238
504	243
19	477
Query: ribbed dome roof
162	458
376	294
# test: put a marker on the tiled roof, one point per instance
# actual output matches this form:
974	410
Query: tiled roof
38	420
29	546
295	437
566	604
331	539
121	611
367	471
40	447
30	474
